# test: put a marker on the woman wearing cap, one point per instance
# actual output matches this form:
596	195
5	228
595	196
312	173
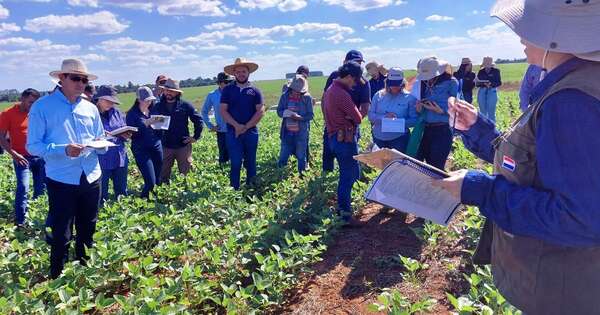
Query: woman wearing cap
436	86
542	202
488	80
393	102
377	73
296	108
114	162
145	143
466	77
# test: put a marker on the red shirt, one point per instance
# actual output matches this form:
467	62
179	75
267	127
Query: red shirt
14	122
340	111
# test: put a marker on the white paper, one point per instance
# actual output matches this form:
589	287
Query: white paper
121	130
100	144
403	187
288	113
393	124
162	122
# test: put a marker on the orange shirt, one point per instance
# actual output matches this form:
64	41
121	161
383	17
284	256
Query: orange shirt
14	122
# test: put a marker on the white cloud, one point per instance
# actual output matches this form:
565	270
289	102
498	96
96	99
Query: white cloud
439	18
307	40
478	12
6	28
493	30
393	24
217	47
81	3
103	22
287	47
258	41
336	38
219	26
291	5
362	5
93	58
165	39
446	40
4	13
193	8
282	5
355	40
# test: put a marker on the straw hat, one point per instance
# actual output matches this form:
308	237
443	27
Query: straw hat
172	85
73	66
565	26
240	62
488	62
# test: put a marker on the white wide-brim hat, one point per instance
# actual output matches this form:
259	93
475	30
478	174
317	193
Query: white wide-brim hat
73	66
566	26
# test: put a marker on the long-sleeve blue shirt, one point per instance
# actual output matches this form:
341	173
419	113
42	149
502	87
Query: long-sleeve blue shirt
181	113
302	106
213	101
530	80
54	123
566	211
402	104
114	157
445	87
145	137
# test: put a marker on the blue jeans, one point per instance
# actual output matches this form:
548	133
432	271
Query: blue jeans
487	99
36	167
119	179
149	162
349	173
328	156
294	144
436	145
242	149
399	143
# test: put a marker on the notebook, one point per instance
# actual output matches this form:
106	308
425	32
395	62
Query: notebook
121	130
160	122
405	184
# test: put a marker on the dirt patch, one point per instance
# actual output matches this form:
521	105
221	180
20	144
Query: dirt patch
361	262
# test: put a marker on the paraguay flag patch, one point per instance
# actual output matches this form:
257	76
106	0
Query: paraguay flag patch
508	163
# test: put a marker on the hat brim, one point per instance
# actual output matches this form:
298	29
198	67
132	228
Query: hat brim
394	82
150	98
170	89
427	77
110	99
252	67
91	77
570	33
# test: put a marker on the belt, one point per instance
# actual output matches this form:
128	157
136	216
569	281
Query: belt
437	124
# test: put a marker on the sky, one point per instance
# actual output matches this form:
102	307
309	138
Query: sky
135	40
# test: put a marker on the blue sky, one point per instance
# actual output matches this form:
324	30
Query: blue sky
134	40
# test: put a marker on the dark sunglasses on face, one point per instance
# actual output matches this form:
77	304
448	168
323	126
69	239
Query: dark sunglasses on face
162	82
75	78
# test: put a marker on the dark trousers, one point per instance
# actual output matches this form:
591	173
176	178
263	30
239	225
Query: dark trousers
344	152
468	96
242	150
436	145
118	176
37	170
71	205
149	162
222	144
328	155
398	144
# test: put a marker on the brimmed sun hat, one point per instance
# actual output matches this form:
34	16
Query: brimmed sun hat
566	26
431	67
73	66
395	77
299	84
240	62
172	85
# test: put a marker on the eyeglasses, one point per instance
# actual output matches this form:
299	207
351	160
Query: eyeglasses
76	78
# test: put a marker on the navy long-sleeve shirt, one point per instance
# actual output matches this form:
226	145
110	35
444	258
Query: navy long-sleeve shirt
145	137
180	113
566	211
493	76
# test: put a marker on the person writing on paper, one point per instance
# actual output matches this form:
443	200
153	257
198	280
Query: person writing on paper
342	119
242	107
437	84
296	108
177	141
488	80
60	126
541	204
145	143
114	163
213	102
393	104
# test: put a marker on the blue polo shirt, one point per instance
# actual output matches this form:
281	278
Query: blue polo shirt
241	102
360	93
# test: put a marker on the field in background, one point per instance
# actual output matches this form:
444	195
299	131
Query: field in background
272	88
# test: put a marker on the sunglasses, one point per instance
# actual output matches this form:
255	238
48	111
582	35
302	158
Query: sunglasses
162	82
76	78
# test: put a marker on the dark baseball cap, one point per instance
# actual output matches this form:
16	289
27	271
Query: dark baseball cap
351	68
107	92
224	77
303	70
354	55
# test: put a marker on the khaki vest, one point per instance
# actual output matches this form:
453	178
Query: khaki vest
535	276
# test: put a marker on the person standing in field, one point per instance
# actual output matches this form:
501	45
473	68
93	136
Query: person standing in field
242	108
14	123
213	102
303	71
488	80
296	108
115	161
343	118
361	96
176	141
61	126
89	92
145	143
466	79
378	74
158	83
530	80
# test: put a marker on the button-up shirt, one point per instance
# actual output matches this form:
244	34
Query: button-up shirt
403	105
213	101
565	211
181	113
360	92
340	112
445	87
115	157
54	123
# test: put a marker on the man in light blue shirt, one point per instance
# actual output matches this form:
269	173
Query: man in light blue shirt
213	102
62	125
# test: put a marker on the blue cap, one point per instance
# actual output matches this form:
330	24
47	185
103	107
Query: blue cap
107	92
145	94
354	55
351	68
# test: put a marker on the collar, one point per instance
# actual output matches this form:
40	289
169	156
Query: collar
554	76
63	98
337	82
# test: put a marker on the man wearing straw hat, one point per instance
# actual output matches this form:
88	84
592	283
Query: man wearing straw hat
176	141
242	107
62	126
542	234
